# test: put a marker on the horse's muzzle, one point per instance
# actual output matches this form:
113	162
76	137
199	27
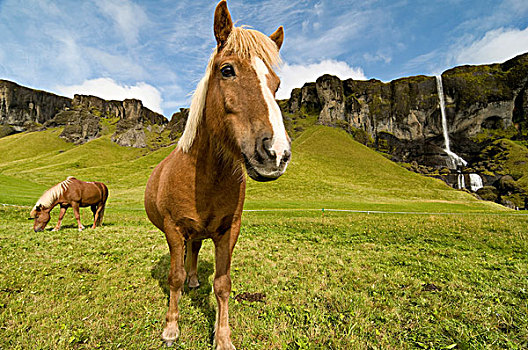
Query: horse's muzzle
266	169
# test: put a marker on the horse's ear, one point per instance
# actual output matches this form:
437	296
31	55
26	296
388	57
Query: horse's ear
222	23
278	37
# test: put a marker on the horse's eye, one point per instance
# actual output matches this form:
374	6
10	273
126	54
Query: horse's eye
228	71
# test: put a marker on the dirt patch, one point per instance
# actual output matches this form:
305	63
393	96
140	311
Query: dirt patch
251	297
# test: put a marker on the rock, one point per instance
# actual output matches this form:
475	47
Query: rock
330	92
305	98
177	123
131	135
488	193
80	126
6	130
23	109
508	203
507	185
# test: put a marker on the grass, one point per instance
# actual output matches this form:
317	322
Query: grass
329	169
19	192
355	281
342	281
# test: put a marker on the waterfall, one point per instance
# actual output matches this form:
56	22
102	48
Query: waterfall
475	182
461	181
454	159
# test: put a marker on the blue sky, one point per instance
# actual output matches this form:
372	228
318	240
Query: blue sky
158	50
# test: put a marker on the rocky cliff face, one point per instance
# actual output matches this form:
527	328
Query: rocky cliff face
403	117
83	118
484	106
22	108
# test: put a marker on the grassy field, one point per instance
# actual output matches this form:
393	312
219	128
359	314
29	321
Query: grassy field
347	280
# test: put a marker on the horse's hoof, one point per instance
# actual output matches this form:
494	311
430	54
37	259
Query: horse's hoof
225	345
193	283
55	229
170	334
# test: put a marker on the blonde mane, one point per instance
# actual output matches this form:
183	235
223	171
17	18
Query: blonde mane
243	42
51	195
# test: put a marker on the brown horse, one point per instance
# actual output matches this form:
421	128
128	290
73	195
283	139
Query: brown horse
70	193
198	191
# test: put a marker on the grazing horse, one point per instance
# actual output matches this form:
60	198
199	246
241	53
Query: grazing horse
198	191
70	193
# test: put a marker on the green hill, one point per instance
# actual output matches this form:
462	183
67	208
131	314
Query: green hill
329	169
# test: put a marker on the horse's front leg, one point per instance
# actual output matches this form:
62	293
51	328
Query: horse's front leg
176	280
75	207
191	263
61	216
222	288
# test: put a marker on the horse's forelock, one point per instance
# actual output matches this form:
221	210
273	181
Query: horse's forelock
248	43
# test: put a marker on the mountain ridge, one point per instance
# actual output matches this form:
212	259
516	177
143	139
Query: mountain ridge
401	119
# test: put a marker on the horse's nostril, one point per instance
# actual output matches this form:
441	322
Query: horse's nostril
266	142
271	153
286	156
266	145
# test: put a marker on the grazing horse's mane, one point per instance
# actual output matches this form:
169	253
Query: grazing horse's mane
243	42
47	199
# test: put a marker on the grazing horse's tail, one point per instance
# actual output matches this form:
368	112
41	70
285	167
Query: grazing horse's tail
104	191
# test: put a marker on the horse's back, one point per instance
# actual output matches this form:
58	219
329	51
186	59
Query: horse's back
87	193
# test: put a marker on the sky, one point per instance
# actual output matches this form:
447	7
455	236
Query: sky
157	51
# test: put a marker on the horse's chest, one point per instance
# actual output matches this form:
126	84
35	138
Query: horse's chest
209	226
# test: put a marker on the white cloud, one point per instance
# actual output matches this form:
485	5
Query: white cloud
118	66
377	57
294	76
108	89
128	17
496	46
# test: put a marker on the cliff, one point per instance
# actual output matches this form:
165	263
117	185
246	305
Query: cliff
22	108
477	98
402	118
486	110
83	117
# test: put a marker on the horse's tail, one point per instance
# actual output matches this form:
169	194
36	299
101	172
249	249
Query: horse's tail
104	190
100	217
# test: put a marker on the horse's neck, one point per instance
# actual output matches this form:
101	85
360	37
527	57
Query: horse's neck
213	162
53	205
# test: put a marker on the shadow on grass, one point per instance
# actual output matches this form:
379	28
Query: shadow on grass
199	296
74	226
